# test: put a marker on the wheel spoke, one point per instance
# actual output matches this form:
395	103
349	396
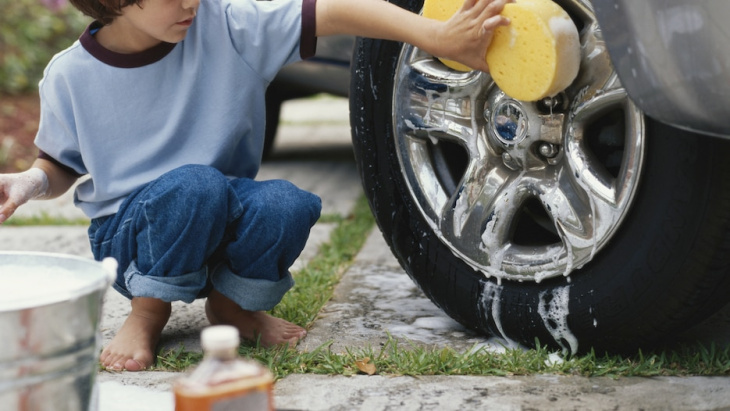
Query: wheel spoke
441	102
590	173
479	215
596	73
574	214
607	195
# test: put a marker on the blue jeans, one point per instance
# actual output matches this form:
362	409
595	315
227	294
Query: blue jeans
193	229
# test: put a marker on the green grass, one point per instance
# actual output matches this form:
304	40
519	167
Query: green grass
397	358
45	219
315	285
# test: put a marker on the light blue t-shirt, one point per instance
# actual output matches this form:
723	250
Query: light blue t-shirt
127	119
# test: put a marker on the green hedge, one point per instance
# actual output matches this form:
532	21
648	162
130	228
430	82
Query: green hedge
31	32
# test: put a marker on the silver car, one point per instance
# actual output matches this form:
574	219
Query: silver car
327	72
603	222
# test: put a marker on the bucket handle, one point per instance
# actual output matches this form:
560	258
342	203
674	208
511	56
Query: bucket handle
110	265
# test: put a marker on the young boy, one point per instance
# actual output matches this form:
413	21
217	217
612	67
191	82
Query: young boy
160	103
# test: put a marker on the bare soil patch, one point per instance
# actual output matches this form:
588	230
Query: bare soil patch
19	116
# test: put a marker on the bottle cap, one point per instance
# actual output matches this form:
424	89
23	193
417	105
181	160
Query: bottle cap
219	337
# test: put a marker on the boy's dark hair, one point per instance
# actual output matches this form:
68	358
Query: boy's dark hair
103	11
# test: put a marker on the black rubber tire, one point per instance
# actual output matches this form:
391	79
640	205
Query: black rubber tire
667	267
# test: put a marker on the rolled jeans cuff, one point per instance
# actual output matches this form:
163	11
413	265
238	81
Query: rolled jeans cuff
184	287
251	294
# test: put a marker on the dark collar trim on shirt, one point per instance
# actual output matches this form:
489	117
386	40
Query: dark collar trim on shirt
121	60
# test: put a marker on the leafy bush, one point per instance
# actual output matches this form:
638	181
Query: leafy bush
31	32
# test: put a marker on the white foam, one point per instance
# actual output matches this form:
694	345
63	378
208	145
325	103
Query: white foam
568	52
491	305
23	283
554	359
554	313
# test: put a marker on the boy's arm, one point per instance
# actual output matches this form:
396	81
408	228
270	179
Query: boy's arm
43	180
59	180
463	38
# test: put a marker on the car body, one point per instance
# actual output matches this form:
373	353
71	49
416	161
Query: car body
673	58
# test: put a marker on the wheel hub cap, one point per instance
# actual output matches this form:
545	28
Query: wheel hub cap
509	123
519	190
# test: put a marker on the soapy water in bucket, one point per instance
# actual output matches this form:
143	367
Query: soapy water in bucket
23	283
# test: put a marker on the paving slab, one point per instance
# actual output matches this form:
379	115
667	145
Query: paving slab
376	300
541	392
50	239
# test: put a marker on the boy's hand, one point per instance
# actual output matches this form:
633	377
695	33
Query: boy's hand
19	188
466	36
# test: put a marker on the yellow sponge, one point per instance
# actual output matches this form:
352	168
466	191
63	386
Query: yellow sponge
536	56
442	10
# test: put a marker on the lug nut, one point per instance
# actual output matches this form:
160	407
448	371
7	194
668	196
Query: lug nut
548	150
551	104
511	162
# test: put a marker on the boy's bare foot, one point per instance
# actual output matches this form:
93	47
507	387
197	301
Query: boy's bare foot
133	347
253	325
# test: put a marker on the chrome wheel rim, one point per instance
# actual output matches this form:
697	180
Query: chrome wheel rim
517	190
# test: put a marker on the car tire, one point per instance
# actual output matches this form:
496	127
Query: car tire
661	264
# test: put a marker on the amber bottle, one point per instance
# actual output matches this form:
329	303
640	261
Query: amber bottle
223	380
